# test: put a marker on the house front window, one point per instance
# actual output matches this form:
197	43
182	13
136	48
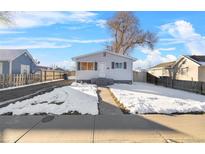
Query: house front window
119	65
83	66
87	66
91	66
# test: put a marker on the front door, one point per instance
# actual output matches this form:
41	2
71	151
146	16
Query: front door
101	69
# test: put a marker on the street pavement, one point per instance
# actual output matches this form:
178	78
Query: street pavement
103	129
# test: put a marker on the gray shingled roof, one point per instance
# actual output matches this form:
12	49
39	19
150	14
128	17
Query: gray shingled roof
10	54
198	58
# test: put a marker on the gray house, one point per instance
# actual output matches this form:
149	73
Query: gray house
16	61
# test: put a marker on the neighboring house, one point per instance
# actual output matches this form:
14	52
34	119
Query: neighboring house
16	61
60	69
43	68
162	70
104	65
47	68
190	68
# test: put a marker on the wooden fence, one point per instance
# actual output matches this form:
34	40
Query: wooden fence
71	73
51	75
191	86
23	79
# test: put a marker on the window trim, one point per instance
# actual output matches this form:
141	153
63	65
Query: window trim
113	65
125	65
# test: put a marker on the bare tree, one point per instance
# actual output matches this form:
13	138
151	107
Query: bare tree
5	17
128	34
174	70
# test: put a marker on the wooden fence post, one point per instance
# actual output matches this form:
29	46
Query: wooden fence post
45	74
26	79
9	79
41	76
20	79
17	79
201	88
14	80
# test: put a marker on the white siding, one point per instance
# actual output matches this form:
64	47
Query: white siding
116	74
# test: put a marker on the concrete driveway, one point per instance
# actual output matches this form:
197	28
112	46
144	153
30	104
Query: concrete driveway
103	128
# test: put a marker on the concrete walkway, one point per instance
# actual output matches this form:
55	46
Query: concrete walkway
107	105
103	128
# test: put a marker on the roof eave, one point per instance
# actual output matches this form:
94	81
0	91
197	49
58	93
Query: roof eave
192	60
185	56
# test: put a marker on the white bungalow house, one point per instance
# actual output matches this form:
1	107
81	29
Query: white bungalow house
108	65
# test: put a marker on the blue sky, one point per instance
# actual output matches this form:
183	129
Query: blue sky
55	37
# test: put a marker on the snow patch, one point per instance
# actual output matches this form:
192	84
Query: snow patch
148	98
77	97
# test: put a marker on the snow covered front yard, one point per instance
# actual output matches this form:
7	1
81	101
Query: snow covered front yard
147	98
77	97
